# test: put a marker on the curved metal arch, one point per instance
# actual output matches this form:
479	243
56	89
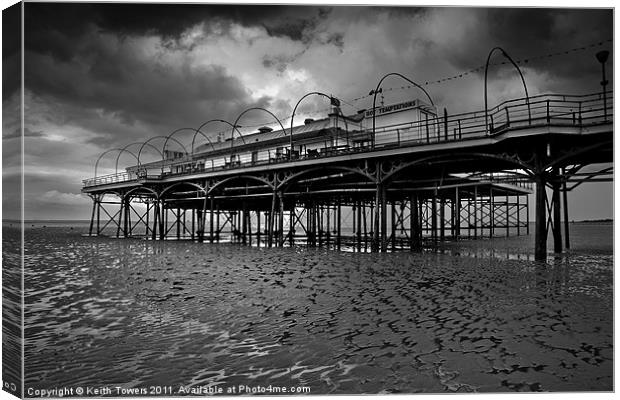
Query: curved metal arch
110	192
170	137
161	195
374	99
486	70
527	168
108	151
157	137
239	117
256	178
132	144
203	135
558	162
331	98
289	180
234	128
154	192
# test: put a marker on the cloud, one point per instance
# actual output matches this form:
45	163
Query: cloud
101	76
68	199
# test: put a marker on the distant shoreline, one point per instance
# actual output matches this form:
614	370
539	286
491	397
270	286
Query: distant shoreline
86	221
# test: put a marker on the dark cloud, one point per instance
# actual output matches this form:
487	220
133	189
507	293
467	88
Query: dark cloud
16	133
527	32
11	50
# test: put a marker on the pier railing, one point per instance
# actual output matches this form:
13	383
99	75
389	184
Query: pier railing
542	110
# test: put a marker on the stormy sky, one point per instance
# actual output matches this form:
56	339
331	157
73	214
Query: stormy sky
101	76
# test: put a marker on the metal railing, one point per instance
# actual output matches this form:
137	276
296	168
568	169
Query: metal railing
543	110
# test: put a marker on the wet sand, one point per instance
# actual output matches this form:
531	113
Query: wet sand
135	313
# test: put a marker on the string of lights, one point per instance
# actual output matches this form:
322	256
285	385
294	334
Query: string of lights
460	75
481	68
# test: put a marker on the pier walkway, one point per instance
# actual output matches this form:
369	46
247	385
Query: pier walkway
399	186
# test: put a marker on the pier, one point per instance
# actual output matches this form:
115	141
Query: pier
348	182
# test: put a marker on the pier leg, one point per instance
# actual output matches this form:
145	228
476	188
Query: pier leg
365	225
319	218
92	215
244	224
518	215
120	217
211	217
557	212
393	223
491	213
566	225
434	219
270	223
281	221
383	219
148	214
328	225
258	228
178	215
162	222
339	224
416	232
475	212
540	238
155	219
218	228
193	230
442	219
375	237
291	222
457	214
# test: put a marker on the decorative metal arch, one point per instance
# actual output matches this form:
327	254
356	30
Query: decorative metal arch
290	179
486	70
197	186
148	189
256	178
157	137
170	137
110	150
234	127
204	136
376	91
250	109
132	144
445	158
565	158
331	99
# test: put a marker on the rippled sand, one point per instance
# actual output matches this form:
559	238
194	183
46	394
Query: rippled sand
135	313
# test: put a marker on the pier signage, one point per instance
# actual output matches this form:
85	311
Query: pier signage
393	108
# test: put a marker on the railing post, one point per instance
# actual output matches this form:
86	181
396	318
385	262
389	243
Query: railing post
445	123
460	134
428	138
579	113
507	116
398	136
548	115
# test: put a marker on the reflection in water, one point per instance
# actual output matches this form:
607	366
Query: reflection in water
179	313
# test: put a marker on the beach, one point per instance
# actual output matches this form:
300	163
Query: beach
475	316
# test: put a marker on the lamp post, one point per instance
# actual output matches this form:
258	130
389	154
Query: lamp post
601	56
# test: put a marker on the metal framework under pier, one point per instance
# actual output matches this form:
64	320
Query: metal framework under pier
467	180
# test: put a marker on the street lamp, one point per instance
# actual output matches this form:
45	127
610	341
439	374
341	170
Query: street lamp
601	56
